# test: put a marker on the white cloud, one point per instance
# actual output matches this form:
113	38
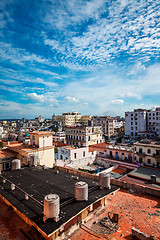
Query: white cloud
117	101
35	97
136	69
72	99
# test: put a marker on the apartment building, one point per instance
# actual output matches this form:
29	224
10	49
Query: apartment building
72	118
83	136
39	152
142	121
106	123
147	153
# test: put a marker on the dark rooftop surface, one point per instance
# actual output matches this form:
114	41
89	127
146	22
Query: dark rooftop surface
145	173
38	183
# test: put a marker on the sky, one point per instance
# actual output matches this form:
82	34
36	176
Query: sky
93	56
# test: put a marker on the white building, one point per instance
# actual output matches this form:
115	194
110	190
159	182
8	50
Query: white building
142	120
74	157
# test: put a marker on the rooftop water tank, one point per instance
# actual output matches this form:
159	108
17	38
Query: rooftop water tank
16	164
153	178
51	206
81	191
104	180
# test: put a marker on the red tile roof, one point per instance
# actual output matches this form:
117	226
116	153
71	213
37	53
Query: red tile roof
41	133
134	210
60	144
6	153
97	147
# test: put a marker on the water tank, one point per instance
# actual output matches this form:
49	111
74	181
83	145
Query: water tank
153	178
16	164
13	186
104	180
81	191
51	206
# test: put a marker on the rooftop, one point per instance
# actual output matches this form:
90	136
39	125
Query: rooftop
6	153
41	133
38	183
145	173
97	147
133	209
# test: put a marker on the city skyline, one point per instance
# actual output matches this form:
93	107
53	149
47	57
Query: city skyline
95	57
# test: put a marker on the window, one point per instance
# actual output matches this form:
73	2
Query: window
131	128
135	149
135	123
149	150
131	133
89	138
74	155
140	150
131	123
149	161
135	158
92	153
33	137
83	153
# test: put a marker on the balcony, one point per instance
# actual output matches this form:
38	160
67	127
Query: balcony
140	153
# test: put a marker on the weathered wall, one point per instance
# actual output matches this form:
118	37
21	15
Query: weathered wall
117	182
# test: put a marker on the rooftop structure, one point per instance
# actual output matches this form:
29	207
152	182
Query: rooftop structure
36	184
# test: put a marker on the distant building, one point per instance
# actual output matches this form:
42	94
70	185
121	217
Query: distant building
40	119
141	121
59	136
106	123
83	136
72	119
147	153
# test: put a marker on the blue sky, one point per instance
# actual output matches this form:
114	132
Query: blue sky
97	57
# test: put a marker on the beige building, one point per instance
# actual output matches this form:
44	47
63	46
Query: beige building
106	122
39	152
72	118
147	153
83	136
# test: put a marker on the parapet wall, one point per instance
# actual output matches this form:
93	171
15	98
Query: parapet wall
116	182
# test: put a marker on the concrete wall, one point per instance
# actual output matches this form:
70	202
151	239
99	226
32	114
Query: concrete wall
116	182
45	141
46	157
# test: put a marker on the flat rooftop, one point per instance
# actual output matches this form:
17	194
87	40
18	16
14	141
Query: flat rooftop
145	173
38	183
